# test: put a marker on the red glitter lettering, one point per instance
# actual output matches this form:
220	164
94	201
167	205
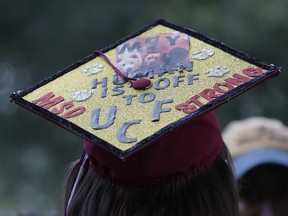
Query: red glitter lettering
46	101
237	79
75	112
181	106
253	72
65	105
209	94
195	100
219	87
189	109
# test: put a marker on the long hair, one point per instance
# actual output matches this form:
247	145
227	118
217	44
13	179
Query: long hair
212	192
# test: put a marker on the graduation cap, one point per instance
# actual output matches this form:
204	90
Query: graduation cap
155	87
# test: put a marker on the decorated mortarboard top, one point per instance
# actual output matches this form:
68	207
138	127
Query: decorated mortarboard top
128	94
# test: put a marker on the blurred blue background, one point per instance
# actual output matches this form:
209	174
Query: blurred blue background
39	38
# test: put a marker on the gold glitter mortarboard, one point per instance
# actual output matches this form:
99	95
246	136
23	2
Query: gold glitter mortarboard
182	74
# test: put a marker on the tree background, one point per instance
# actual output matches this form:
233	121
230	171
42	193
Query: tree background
39	38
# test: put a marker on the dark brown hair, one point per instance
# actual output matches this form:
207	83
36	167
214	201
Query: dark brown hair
210	192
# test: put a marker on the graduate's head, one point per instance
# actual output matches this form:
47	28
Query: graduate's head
184	172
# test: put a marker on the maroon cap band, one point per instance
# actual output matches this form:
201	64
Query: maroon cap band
188	149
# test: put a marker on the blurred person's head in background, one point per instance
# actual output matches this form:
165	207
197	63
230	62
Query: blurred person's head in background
259	148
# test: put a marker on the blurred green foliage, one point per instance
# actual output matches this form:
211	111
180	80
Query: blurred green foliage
39	38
